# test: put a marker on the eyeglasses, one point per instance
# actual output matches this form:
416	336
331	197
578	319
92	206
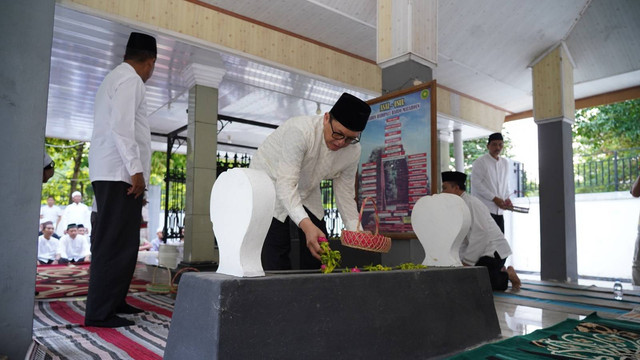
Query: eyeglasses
341	136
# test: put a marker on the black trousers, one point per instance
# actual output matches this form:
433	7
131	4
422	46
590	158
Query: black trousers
499	220
114	248
499	279
67	261
277	245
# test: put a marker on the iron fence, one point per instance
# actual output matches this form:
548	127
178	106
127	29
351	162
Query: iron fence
174	192
331	214
612	171
226	162
602	172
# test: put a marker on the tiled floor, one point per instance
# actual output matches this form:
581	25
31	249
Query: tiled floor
521	320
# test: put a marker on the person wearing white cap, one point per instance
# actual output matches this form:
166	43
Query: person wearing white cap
297	156
75	213
119	168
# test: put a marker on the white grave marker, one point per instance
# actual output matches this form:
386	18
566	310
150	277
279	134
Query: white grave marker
242	202
441	222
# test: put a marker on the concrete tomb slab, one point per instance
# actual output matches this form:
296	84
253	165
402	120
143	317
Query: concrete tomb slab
441	223
242	202
410	314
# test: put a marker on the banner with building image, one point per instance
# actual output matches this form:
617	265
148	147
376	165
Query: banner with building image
397	157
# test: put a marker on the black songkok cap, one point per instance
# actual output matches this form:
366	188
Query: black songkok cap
454	176
72	226
351	112
139	41
495	136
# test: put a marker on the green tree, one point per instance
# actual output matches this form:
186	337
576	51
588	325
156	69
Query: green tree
606	128
71	171
159	166
605	147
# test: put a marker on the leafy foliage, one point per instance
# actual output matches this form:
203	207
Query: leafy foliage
605	146
607	128
159	166
68	156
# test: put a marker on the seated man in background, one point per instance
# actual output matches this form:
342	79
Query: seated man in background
47	245
83	231
73	248
155	243
485	244
43	224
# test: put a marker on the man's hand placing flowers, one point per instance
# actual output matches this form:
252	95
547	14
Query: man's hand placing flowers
330	258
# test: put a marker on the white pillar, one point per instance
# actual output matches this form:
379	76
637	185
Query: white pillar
457	149
203	76
445	158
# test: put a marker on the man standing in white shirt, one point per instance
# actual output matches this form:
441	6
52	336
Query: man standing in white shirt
76	212
485	244
73	247
51	212
490	179
119	167
301	153
47	245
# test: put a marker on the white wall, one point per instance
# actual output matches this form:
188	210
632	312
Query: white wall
606	229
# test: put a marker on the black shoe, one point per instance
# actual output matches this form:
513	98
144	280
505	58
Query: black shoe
128	309
112	322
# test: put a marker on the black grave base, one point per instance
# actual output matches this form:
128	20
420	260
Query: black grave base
402	251
410	314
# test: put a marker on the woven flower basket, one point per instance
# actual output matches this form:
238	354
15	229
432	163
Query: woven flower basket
364	240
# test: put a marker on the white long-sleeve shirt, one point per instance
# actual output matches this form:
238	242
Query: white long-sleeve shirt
75	213
47	248
489	179
74	248
484	237
50	213
121	139
297	159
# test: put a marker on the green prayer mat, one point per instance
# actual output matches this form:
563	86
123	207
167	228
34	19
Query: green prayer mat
591	338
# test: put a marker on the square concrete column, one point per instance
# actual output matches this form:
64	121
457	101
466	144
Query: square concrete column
201	174
27	33
407	46
203	76
553	109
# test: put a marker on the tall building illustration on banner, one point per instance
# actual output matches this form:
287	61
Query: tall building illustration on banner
394	180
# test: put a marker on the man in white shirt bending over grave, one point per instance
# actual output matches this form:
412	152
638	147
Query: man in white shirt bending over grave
301	153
